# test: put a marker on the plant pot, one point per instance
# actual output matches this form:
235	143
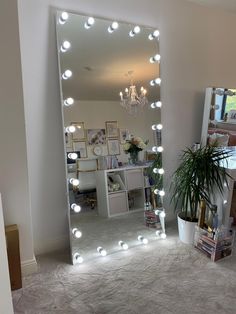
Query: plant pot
186	230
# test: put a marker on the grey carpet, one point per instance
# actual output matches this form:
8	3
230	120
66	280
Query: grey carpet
163	277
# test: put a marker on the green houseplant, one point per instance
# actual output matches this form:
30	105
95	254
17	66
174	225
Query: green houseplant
199	175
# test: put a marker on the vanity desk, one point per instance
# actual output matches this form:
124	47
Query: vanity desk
121	190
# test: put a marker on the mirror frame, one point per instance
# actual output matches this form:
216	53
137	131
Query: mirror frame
157	148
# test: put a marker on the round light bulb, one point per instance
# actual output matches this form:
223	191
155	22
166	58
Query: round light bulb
77	233
161	193
155	170
156	191
68	101
65	46
102	251
74	182
158	81
67	74
89	22
136	29
76	208
154	59
113	27
63	18
161	171
79	259
142	239
162	214
70	129
73	156
123	245
225	202
155	34
163	235
160	149
152	82
156	104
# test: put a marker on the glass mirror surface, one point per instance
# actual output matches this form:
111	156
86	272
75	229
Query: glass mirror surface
219	121
110	92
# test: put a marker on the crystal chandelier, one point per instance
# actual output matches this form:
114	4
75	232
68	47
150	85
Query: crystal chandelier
132	101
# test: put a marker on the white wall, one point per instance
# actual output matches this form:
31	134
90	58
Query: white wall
13	158
192	58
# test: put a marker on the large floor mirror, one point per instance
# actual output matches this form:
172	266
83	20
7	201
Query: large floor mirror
110	94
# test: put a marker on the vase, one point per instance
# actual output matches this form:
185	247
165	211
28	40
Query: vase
134	157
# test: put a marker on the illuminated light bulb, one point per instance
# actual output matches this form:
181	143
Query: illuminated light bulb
160	171
72	156
225	184
76	208
68	101
156	104
63	18
155	58
78	258
76	233
102	251
162	193
74	182
153	35
157	127
142	239
67	74
157	149
89	22
162	214
156	191
70	129
65	46
123	245
225	202
158	81
113	27
135	31
163	235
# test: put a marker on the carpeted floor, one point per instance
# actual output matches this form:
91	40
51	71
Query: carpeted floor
162	277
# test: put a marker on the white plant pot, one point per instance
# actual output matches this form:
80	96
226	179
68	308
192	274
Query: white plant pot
186	230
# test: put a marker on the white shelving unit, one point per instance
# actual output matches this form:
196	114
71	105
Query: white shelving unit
129	197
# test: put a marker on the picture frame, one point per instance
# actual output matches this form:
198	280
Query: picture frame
96	136
80	146
124	135
112	129
113	147
80	133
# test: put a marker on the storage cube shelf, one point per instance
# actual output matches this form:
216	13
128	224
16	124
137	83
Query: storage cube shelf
214	249
120	191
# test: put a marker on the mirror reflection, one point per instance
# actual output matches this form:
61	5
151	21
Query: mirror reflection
219	123
110	89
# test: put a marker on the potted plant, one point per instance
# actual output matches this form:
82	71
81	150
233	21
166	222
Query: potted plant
199	175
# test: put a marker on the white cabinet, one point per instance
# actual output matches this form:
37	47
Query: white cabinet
120	191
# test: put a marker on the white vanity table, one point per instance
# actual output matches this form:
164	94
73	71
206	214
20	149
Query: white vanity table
129	196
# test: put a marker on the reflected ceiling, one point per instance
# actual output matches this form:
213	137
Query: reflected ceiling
105	70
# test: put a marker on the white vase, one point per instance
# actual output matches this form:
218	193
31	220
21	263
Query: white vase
186	230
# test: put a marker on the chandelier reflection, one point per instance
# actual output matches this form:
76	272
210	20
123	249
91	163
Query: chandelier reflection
132	101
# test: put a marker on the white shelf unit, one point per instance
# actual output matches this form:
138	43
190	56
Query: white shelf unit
131	194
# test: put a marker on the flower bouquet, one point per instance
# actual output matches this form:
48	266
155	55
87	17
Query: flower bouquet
133	147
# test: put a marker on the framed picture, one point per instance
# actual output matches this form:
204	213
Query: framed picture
113	147
124	135
112	129
79	134
80	146
96	136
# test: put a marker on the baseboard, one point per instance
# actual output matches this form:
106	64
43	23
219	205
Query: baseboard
29	267
51	245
